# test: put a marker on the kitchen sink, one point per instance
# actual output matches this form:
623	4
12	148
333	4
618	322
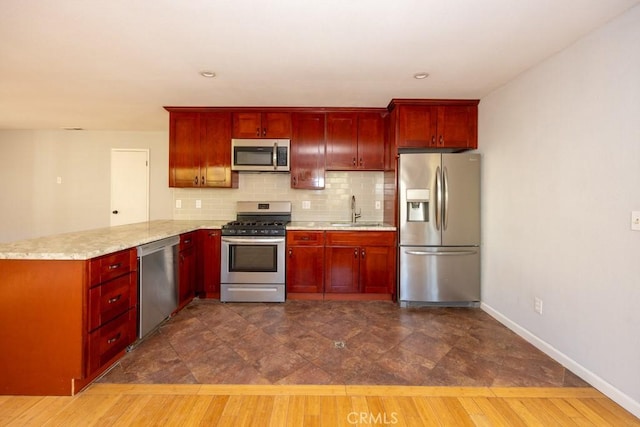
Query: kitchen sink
356	224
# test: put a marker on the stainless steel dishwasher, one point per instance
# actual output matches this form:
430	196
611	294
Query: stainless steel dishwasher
158	282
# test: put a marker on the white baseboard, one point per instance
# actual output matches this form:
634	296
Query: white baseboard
603	386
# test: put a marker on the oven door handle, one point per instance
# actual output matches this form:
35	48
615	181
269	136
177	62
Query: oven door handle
253	240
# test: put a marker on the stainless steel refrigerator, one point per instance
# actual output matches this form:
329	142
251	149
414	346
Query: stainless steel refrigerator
439	235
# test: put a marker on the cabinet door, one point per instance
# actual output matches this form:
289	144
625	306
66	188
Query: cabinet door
305	268
209	263
342	141
370	141
307	151
377	269
457	127
215	149
276	125
342	269
187	284
247	125
261	125
417	126
184	150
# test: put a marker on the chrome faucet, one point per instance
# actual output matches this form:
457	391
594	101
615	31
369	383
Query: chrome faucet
354	215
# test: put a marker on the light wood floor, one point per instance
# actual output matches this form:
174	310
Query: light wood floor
232	405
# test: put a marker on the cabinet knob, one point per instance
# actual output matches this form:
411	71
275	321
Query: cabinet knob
114	212
264	131
195	181
360	161
202	181
355	253
441	140
354	161
290	253
362	253
257	131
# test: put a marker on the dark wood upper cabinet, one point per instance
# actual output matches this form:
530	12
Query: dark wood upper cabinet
200	150
436	124
261	125
355	141
307	151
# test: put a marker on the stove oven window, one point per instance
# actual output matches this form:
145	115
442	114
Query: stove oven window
248	258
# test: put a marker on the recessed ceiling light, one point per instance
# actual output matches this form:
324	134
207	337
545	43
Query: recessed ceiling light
207	74
420	76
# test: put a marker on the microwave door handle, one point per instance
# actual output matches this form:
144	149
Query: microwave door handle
274	158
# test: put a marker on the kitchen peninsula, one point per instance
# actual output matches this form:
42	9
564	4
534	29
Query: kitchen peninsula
68	302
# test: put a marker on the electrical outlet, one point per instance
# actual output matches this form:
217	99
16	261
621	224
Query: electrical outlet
635	220
537	305
306	204
198	204
59	180
378	204
178	204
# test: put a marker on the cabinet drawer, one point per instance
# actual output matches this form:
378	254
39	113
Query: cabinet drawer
361	238
107	341
111	299
308	238
111	266
187	240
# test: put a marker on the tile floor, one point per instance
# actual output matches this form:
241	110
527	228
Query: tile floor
314	342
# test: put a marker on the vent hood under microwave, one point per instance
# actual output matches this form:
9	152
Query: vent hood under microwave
260	155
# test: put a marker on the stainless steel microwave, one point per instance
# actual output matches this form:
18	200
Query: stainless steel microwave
260	155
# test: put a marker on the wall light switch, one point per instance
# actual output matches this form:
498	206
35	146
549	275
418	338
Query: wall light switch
306	204
59	180
178	204
635	220
198	204
378	204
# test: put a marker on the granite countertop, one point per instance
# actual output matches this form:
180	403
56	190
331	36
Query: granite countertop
88	244
340	226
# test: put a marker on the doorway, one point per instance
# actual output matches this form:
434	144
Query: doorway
129	186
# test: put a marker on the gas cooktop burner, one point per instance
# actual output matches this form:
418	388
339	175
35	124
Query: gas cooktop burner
259	219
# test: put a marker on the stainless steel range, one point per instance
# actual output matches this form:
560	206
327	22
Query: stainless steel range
253	253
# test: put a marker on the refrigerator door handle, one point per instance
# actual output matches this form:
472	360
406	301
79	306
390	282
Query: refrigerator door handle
447	253
445	198
438	207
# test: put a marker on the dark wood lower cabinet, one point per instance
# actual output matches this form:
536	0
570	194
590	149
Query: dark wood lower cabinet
341	263
188	264
362	262
208	280
305	262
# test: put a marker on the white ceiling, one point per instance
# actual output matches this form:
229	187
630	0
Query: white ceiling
113	64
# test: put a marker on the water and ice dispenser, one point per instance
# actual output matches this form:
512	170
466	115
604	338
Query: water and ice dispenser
417	204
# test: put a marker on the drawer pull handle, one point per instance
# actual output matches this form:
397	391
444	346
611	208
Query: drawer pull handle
114	299
114	339
114	266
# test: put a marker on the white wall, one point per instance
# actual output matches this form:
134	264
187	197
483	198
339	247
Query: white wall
32	204
561	153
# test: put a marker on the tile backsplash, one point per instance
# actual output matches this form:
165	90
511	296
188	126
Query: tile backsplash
331	204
